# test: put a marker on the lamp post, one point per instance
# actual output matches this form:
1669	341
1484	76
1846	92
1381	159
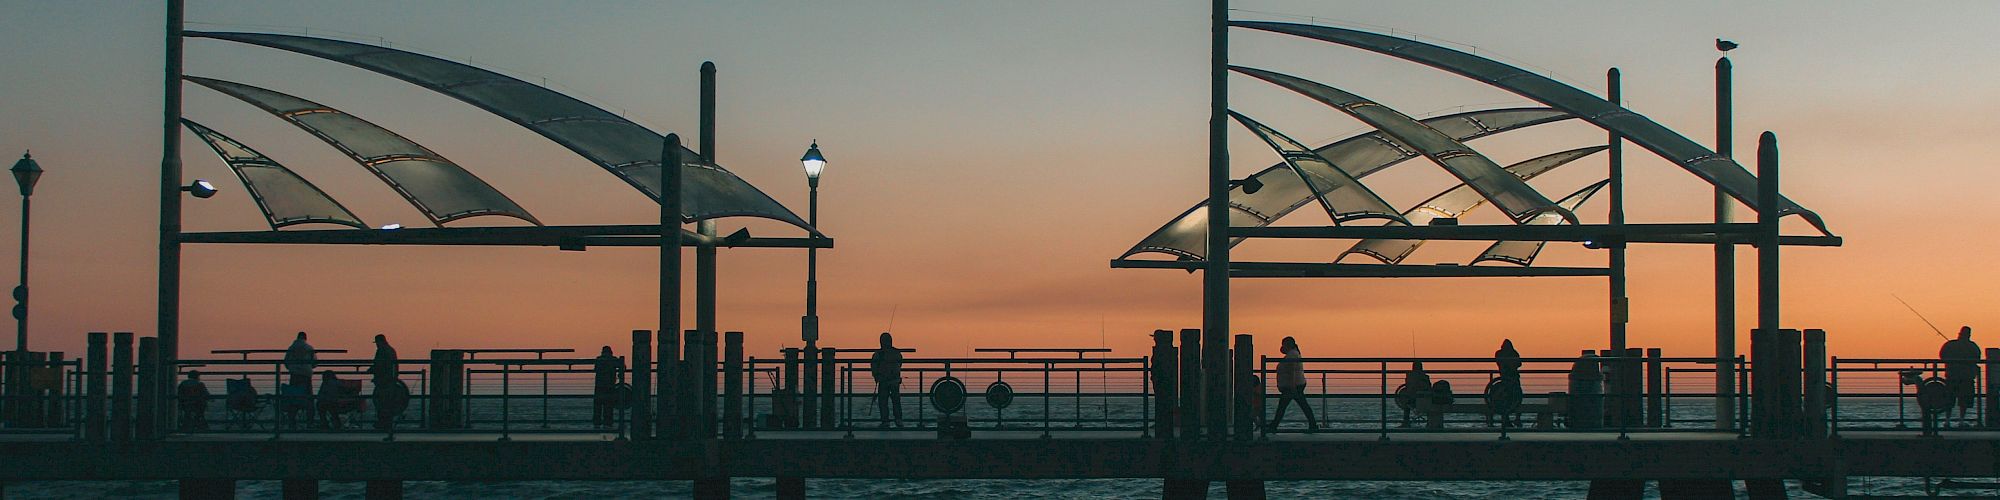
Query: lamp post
26	173
809	325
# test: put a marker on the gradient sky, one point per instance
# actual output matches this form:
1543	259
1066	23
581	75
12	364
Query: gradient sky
987	159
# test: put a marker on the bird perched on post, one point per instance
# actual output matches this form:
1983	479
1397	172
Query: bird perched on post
1724	45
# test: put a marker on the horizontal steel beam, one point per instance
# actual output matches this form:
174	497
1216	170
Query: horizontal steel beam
568	237
1325	270
1741	233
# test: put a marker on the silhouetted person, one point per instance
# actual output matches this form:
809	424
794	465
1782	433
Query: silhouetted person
887	367
299	362
330	399
1586	392
382	370
193	395
1291	385
1417	383
607	370
1961	367
1509	361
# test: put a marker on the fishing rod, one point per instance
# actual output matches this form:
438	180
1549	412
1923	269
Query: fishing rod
1927	321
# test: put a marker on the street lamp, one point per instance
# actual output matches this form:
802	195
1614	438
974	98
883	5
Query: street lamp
814	163
26	173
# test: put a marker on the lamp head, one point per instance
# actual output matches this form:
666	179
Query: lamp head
200	188
814	162
26	173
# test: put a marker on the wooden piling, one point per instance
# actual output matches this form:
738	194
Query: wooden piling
378	489
1191	381
299	489
121	386
207	489
1242	372
94	379
1815	383
642	385
1656	389
1215	382
732	376
146	422
826	381
1992	388
667	423
791	488
1166	384
53	406
1791	382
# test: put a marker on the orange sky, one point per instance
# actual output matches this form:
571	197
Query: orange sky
986	162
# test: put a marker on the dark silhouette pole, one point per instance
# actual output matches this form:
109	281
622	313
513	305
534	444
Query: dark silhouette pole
26	172
670	274
1767	233
1215	275
1725	259
814	164
169	308
1620	304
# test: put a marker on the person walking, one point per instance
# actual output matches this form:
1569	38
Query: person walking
887	368
1291	386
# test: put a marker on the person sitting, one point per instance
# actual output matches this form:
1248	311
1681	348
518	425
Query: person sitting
1416	387
332	394
193	395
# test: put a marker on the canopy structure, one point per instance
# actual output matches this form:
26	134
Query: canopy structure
1344	198
1457	201
624	148
440	189
1523	253
1717	169
285	198
1507	192
1360	155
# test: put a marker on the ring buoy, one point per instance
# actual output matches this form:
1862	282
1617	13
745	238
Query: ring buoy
1406	399
948	395
1503	396
1934	395
392	398
999	395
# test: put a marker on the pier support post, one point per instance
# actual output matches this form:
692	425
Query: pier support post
1247	388
121	386
732	376
1762	363
207	489
383	490
791	488
1184	489
1815	383
1166	384
1791	381
714	488
1215	381
1656	384
1992	388
299	489
1191	397
642	384
826	385
94	378
1616	489
146	423
694	364
1695	489
671	219
1766	489
1245	489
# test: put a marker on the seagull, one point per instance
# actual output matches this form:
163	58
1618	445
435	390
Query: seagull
1724	45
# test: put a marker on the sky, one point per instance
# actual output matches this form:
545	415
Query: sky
987	160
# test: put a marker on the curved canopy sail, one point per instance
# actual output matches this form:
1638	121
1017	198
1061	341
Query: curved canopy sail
442	190
1523	253
630	151
1343	197
1457	201
1359	155
285	198
1507	192
1717	169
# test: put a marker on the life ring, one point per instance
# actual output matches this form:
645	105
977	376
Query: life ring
999	395
948	395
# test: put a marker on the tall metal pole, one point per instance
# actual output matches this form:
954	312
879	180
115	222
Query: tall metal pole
1725	259
670	274
21	322
704	251
1215	275
809	325
168	328
1767	234
1620	305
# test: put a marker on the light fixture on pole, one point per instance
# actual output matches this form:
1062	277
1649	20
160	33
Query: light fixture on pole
200	188
26	173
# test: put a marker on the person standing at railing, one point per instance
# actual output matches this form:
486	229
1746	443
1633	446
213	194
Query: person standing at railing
391	396
608	370
1291	385
1961	367
382	370
299	362
887	367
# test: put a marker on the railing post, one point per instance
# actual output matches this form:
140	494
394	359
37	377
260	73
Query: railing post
1247	385
1191	397
642	385
732	380
94	378
121	386
1815	383
1165	369
147	422
1656	389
